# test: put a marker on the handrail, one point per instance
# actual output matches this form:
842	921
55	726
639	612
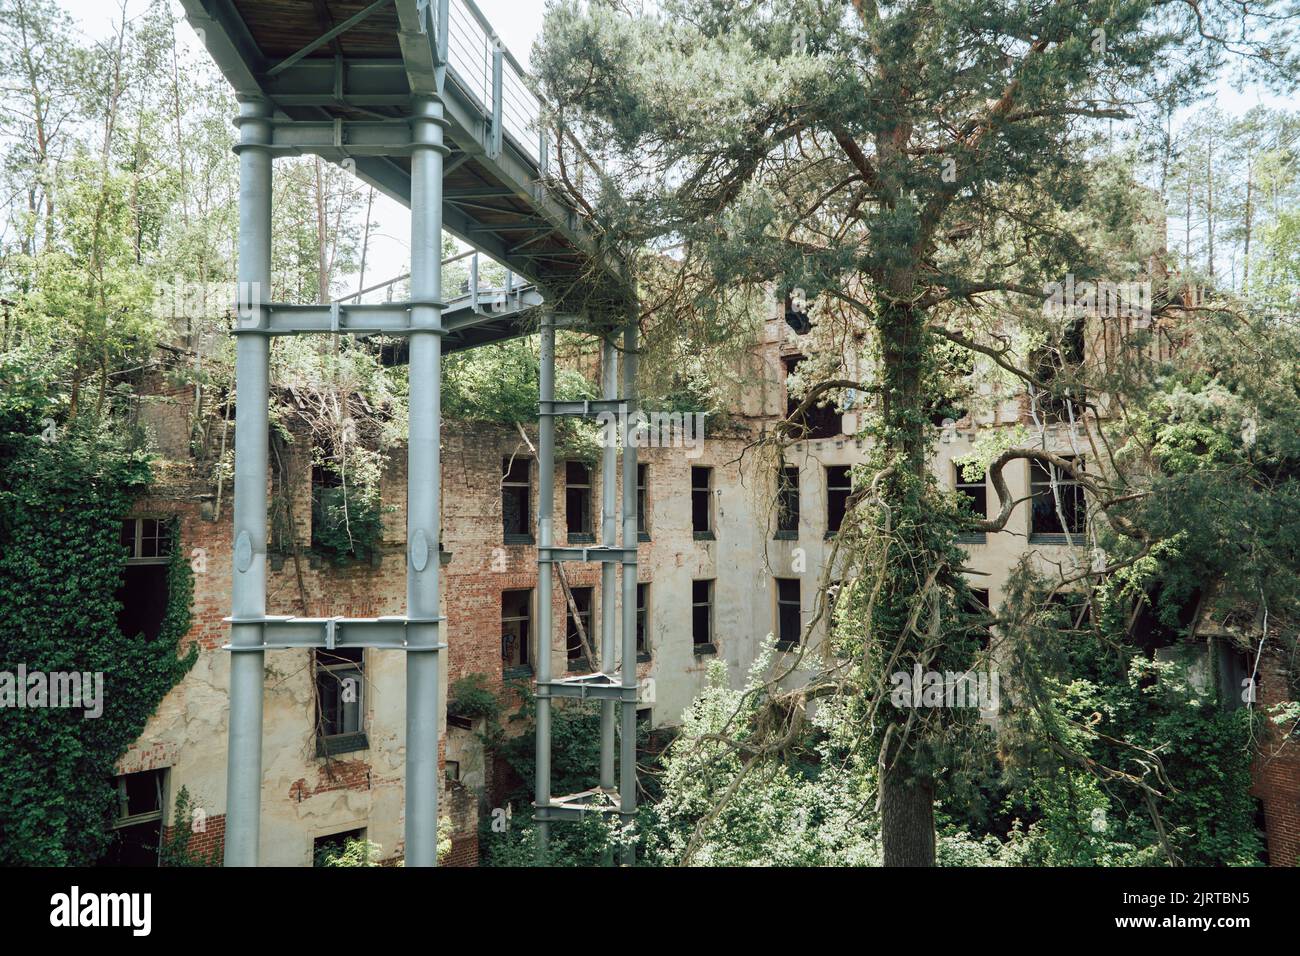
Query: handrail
474	292
485	69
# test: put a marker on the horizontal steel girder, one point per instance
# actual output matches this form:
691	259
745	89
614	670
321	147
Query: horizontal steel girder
575	806
389	318
381	633
595	554
584	409
588	687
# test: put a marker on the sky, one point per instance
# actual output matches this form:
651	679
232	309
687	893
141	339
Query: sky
519	24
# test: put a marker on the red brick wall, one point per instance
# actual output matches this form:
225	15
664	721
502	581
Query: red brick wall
206	845
1276	770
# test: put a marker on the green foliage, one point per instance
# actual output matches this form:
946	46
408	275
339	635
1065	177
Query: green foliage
1113	759
347	522
575	757
471	698
354	852
499	384
175	850
61	562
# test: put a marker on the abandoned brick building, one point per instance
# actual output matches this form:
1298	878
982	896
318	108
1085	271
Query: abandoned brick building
719	569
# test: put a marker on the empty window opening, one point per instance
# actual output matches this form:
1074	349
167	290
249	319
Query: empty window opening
340	699
702	613
138	826
1063	399
818	420
577	501
642	620
787	503
788	625
516	499
1046	518
516	629
702	501
325	847
838	486
143	593
642	524
975	493
573	640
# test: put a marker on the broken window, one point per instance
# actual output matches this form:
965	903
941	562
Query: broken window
642	620
328	505
516	499
642	526
333	845
838	486
788	624
976	494
1046	520
818	420
516	629
143	594
702	501
340	690
787	503
1062	400
577	501
573	640
702	615
138	827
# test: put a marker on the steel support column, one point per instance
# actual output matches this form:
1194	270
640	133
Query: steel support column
423	484
608	573
248	582
627	755
545	511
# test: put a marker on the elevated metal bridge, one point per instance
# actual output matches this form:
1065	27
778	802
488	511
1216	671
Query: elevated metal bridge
420	99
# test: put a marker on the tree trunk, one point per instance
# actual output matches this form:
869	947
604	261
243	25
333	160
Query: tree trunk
907	798
906	819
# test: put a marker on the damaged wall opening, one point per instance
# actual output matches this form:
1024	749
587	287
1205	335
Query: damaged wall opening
144	593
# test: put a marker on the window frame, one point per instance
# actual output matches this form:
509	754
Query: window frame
162	539
707	646
525	665
966	488
837	493
588	616
782	642
642	501
788	504
346	741
586	533
707	533
1078	511
508	463
643	621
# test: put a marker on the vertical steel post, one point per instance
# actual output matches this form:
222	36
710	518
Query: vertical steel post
545	510
423	484
608	573
248	582
627	754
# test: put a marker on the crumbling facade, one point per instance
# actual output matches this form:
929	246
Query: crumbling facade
719	568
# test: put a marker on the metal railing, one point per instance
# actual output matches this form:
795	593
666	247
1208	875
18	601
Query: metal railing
479	292
494	80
